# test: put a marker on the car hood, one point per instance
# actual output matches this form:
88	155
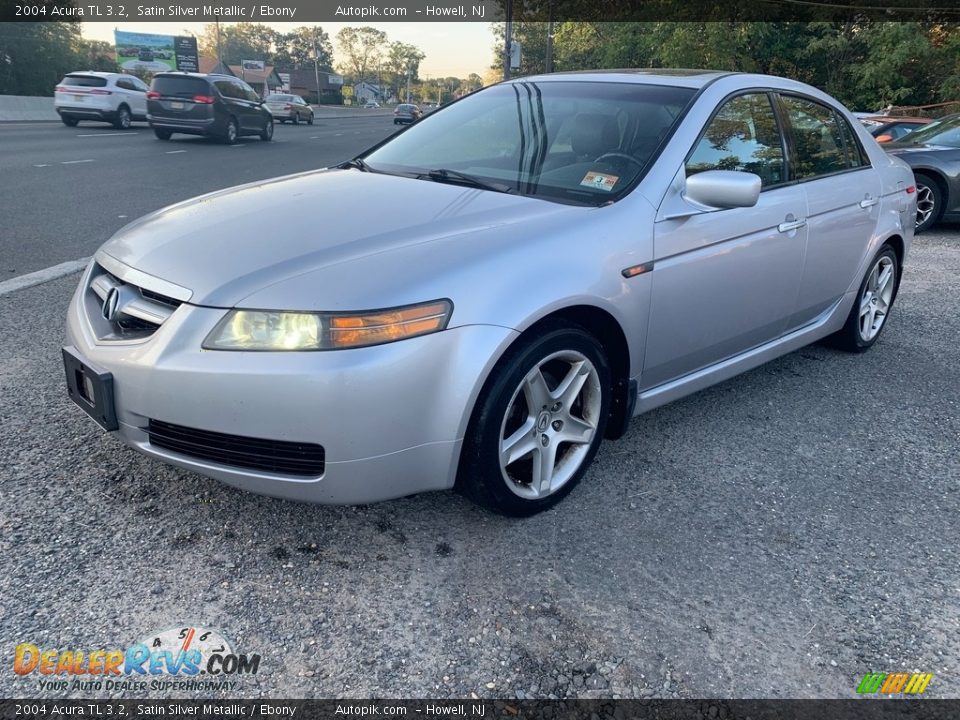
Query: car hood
904	148
227	245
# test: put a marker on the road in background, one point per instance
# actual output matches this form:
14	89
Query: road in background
66	190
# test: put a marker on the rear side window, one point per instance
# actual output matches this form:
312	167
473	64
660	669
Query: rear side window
227	88
743	135
185	87
818	137
84	81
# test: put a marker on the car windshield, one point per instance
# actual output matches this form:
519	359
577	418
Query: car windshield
567	141
279	98
945	131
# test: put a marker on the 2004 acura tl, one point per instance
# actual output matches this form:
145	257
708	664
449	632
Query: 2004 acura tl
494	290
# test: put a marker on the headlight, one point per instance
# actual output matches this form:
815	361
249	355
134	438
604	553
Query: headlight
278	330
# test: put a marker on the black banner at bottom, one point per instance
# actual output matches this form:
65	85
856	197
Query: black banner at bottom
857	709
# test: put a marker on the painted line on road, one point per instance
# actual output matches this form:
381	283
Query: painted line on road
74	162
43	165
174	152
42	276
123	134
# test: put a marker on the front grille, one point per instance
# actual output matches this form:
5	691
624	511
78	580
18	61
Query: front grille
135	312
273	456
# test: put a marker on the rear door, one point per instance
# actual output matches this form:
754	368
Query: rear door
843	201
726	280
248	102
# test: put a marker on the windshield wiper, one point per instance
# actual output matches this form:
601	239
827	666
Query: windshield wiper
357	164
457	177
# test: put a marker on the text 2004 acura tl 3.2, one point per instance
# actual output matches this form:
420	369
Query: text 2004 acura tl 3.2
494	290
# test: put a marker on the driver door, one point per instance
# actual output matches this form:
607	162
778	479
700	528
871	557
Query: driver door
725	281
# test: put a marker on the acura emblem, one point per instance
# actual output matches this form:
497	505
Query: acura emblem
110	304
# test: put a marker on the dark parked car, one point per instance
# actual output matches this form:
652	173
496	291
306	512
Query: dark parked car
218	106
145	54
406	113
934	154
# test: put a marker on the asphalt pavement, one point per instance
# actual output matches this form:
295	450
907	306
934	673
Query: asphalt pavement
66	190
778	535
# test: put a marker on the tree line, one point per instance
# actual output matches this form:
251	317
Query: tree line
866	65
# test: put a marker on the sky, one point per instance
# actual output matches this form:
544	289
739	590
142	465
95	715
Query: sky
453	49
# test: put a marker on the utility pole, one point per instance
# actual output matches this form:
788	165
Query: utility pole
316	64
408	83
549	59
219	50
507	41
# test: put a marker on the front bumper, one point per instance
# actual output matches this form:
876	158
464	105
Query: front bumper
390	418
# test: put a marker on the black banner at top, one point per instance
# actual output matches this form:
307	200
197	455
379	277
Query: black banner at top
363	11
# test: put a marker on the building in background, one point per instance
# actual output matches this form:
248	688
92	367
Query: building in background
263	81
303	82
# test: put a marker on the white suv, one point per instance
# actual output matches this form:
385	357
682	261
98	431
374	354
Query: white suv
109	97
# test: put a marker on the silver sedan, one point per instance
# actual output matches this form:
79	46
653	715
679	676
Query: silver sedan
552	256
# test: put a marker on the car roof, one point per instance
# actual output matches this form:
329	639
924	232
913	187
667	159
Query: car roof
202	76
887	119
684	77
95	73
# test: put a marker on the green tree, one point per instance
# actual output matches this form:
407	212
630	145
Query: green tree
362	49
97	55
401	59
35	56
242	41
298	47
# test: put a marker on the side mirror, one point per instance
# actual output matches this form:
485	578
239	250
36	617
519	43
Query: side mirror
723	189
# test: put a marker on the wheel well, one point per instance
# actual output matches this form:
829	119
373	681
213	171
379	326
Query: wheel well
605	328
896	242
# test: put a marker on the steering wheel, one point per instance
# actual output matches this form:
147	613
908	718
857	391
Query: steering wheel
620	156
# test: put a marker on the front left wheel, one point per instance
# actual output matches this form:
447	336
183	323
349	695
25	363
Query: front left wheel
267	133
123	119
537	423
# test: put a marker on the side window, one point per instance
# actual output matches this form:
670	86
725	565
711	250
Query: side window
818	138
139	85
226	88
246	92
125	84
744	136
856	157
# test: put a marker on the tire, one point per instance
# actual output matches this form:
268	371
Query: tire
162	134
522	405
310	119
69	121
267	134
123	119
396	122
295	119
929	203
871	310
231	133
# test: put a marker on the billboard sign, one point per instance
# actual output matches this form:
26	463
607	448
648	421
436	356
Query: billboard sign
187	57
143	51
335	79
253	65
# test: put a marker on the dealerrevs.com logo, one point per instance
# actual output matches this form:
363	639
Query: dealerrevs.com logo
172	659
894	683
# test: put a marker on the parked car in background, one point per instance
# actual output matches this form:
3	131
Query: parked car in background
371	105
115	98
933	152
890	129
145	55
219	106
536	273
406	113
289	108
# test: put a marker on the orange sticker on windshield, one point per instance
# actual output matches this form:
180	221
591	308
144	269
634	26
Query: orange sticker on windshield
599	181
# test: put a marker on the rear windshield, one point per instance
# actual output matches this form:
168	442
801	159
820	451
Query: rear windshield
279	98
84	81
179	86
404	107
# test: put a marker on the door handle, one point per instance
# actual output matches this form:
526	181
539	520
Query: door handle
791	225
868	202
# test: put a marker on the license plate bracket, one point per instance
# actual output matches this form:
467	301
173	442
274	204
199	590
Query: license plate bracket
90	388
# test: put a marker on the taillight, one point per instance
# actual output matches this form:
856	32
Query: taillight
203	99
59	88
98	91
912	189
153	95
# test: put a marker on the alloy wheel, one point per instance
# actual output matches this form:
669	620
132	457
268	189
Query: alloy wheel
549	424
877	297
926	204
